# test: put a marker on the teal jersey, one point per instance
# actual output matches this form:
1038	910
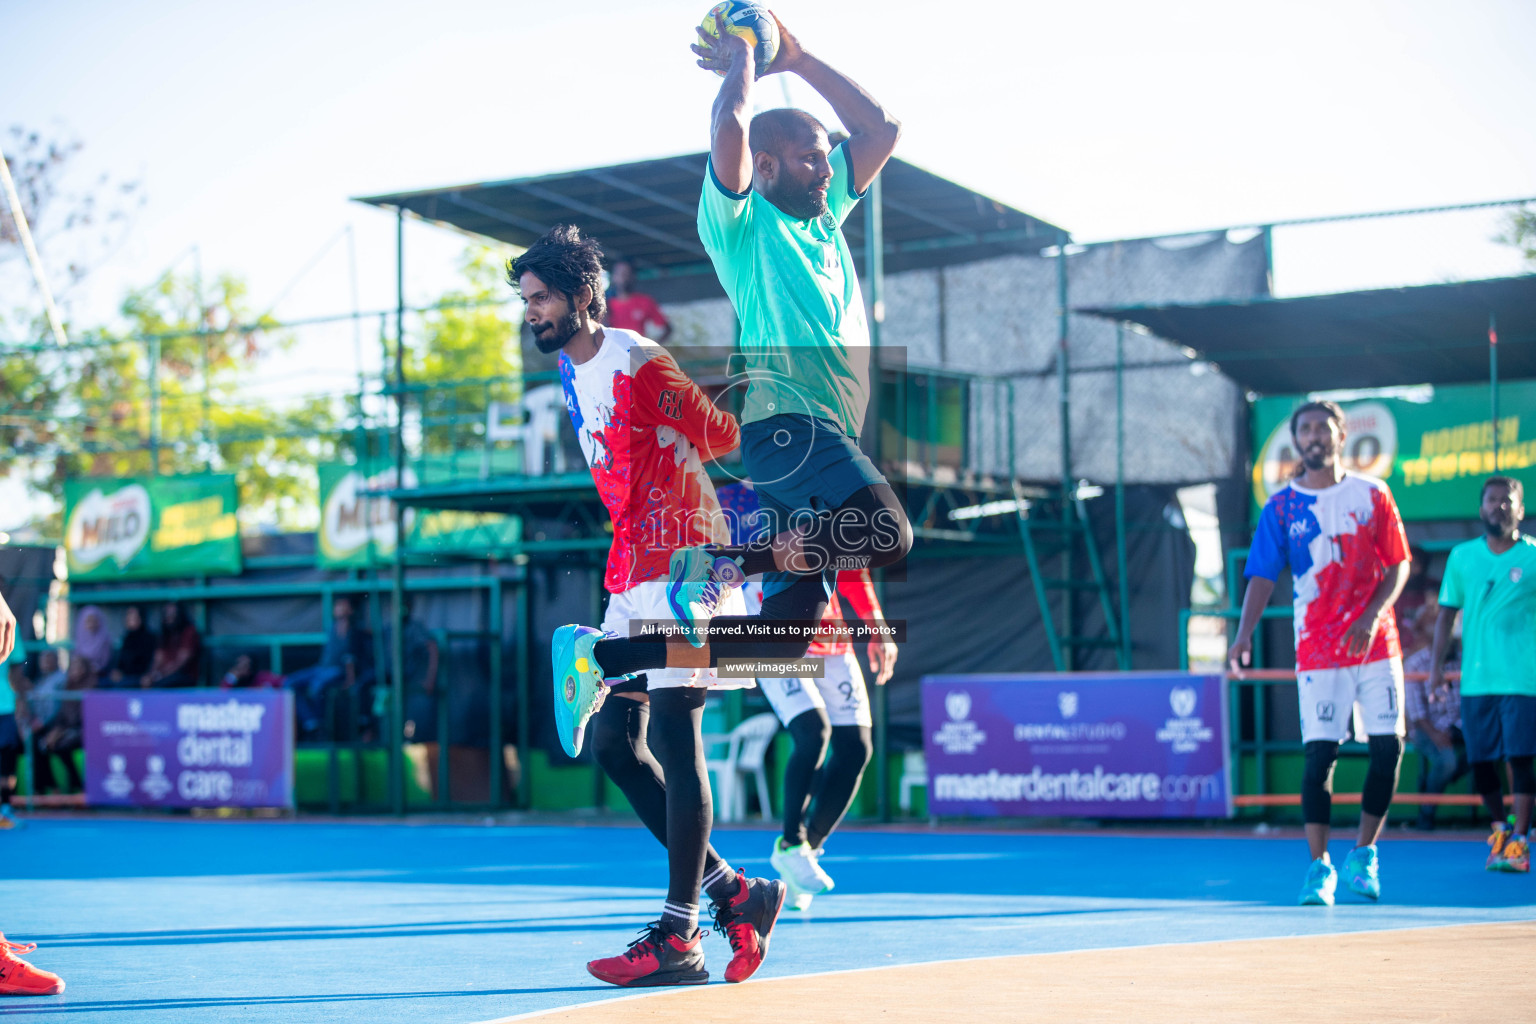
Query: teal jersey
803	331
1497	598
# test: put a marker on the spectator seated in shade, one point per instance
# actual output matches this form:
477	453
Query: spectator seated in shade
179	655
420	661
631	310
136	653
91	640
344	664
244	673
1434	719
63	735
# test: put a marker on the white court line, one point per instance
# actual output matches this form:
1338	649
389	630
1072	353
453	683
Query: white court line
534	1014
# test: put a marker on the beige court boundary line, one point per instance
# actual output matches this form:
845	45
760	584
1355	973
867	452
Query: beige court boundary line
1475	1010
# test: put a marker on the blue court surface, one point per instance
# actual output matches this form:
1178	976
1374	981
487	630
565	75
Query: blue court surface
171	921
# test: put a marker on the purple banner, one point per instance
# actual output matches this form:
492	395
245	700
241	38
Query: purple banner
1099	745
189	748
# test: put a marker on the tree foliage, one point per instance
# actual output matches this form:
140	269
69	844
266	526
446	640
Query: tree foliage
73	230
1520	231
469	345
92	409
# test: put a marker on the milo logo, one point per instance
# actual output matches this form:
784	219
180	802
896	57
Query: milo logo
107	525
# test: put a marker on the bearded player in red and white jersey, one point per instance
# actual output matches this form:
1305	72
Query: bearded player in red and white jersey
646	430
1340	535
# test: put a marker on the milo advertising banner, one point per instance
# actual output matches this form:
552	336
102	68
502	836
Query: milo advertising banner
1433	445
357	526
152	527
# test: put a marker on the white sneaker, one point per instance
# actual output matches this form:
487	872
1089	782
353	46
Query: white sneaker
797	866
799	900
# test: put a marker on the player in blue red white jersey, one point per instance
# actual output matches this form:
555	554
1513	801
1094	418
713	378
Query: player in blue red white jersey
646	430
1341	537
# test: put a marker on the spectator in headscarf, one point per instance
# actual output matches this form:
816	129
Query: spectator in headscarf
92	641
136	654
180	653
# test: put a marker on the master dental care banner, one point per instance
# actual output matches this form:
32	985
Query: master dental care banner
1096	745
162	527
192	748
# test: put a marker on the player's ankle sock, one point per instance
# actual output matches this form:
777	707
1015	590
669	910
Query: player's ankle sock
626	655
680	918
720	884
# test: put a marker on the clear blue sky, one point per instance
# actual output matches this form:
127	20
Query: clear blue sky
250	125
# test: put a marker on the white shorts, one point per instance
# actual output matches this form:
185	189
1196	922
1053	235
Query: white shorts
841	693
1372	693
649	601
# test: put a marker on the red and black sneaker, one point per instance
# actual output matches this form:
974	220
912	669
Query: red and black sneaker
746	920
657	957
19	978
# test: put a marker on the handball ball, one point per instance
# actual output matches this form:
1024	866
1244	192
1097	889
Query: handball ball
750	21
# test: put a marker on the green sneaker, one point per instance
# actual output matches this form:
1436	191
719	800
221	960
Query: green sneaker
1361	873
696	584
1317	890
579	689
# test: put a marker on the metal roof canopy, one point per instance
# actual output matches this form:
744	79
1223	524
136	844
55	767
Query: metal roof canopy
647	212
1431	334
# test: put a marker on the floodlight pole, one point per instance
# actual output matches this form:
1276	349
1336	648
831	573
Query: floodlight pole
874	273
1493	382
397	579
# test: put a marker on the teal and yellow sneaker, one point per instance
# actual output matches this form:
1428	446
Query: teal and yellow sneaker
1361	874
1317	890
697	582
579	689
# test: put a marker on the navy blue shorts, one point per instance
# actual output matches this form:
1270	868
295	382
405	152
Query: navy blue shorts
10	737
802	467
1497	726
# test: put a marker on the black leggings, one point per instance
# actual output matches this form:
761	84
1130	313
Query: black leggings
827	794
670	790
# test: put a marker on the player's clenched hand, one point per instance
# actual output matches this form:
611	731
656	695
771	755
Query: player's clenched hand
7	629
1358	640
719	52
1239	653
882	660
790	50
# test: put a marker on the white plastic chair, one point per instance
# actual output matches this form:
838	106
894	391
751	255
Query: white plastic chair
746	750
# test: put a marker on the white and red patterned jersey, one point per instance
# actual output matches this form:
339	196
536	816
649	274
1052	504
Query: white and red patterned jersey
646	430
1338	543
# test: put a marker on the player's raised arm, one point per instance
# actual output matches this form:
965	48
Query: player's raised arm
729	154
872	132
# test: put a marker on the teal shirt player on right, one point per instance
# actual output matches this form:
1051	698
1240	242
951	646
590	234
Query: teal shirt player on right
1497	598
803	331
